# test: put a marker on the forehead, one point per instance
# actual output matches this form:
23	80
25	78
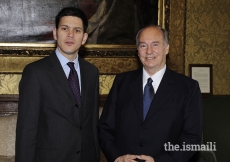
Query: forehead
151	34
71	21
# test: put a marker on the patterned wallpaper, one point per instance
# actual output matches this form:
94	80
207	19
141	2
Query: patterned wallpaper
9	83
208	40
105	83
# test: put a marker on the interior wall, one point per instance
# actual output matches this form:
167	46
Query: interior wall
7	135
208	40
9	83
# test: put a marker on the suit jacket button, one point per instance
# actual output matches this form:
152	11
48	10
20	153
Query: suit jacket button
78	152
80	127
141	145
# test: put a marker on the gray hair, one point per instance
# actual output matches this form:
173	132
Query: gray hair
164	32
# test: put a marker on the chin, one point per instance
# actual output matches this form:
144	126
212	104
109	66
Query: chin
68	52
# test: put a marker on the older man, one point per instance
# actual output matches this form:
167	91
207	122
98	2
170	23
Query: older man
152	111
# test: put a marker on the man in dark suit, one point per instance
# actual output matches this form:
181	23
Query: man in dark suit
55	124
174	117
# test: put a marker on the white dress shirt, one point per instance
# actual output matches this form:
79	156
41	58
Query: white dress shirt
157	77
63	60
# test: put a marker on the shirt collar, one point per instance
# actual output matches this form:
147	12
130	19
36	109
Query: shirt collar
157	77
63	60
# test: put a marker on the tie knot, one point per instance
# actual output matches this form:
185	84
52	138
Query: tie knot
71	65
149	82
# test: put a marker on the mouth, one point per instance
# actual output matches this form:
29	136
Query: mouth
69	43
150	58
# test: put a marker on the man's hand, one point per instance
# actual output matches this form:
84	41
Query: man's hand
146	158
126	158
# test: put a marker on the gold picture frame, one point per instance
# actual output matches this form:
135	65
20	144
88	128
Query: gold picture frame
109	59
14	56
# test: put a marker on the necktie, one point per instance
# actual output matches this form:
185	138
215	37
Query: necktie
74	82
147	97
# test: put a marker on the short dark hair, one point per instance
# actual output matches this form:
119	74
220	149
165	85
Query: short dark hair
72	11
164	32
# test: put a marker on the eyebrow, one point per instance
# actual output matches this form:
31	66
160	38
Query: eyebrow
69	26
151	42
142	43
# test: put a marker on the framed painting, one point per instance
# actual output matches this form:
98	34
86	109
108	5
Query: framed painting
26	35
110	22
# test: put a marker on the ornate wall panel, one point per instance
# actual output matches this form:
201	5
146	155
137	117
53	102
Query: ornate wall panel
207	40
9	83
176	35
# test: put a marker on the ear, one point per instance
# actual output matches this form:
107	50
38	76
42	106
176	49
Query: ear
85	36
55	34
167	49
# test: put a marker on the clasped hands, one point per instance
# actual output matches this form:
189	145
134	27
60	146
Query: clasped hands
133	158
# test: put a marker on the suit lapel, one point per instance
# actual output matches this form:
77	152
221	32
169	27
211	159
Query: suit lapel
165	89
84	78
136	91
59	74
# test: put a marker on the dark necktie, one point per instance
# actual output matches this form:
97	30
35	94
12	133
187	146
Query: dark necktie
147	97
74	82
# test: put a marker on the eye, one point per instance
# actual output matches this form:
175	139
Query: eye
63	28
77	30
155	44
142	45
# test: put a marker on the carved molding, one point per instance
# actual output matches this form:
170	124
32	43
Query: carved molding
110	59
8	104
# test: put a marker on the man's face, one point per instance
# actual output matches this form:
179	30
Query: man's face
152	50
70	36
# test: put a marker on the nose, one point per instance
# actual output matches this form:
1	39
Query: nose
149	50
70	33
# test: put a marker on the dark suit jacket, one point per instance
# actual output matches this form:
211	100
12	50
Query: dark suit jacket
175	116
51	127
